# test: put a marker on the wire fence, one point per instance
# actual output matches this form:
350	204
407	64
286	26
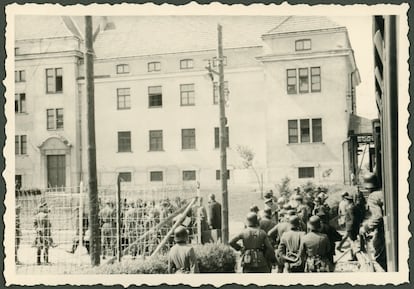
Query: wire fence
49	238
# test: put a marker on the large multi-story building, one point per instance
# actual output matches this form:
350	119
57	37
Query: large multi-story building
290	85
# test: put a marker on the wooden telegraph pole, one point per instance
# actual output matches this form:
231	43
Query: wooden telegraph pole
93	187
223	142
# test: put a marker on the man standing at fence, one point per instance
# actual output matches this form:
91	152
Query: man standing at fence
131	226
181	258
43	238
107	219
18	235
214	213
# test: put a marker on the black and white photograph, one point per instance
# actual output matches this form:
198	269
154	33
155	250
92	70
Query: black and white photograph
227	144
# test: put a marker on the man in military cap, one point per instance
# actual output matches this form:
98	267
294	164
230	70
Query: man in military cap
181	258
43	238
18	235
316	248
257	252
213	213
374	225
107	217
254	209
332	235
302	210
290	246
342	209
351	223
266	221
132	227
275	234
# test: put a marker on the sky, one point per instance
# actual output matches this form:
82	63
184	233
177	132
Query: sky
360	34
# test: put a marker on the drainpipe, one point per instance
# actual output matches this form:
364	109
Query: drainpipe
343	157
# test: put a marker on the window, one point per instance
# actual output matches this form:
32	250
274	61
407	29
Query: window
218	174
124	141
122	68
306	172
155	96
125	176
187	94
216	62
293	131
19	76
306	129
217	137
303	80
18	181
54	80
20	144
154	66
189	175
216	93
123	98
54	118
186	64
291	81
155	140
303	44
188	139
156	176
316	130
315	79
20	102
315	76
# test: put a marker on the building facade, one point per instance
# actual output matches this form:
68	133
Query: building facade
289	96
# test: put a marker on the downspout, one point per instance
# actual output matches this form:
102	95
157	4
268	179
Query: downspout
343	157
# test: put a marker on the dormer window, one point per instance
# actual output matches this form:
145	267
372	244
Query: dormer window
303	44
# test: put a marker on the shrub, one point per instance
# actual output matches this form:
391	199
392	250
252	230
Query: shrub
215	258
156	265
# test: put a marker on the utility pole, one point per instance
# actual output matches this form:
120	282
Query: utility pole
93	187
223	142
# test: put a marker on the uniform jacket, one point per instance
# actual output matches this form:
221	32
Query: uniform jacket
266	224
315	244
182	258
214	214
277	231
375	226
332	235
291	241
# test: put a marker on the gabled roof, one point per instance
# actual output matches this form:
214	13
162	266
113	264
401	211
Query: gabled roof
147	35
304	23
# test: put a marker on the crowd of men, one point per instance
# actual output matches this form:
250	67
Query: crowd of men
294	234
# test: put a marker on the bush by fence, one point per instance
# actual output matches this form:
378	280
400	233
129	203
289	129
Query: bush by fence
212	258
215	258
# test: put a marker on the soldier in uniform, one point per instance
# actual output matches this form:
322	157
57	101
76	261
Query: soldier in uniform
107	220
181	258
332	234
257	252
18	235
214	213
342	209
374	225
266	222
320	206
290	246
43	238
316	248
131	225
351	223
302	210
275	234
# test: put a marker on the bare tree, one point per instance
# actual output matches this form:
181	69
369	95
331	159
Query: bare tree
247	155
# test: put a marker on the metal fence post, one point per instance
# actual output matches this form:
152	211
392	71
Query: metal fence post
118	218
